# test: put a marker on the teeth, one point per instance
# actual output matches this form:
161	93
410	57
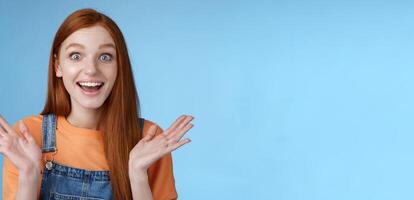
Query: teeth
90	84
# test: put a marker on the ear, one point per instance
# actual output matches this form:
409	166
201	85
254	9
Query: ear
57	67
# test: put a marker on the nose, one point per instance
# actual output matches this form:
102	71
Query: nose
91	67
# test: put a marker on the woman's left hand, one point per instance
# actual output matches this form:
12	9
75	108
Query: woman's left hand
149	149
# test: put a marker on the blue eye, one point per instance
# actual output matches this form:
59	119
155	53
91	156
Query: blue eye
74	56
106	57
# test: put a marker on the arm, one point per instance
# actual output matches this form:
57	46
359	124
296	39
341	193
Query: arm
140	185
22	162
28	184
149	151
17	185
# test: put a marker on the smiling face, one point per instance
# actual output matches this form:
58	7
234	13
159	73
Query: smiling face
87	63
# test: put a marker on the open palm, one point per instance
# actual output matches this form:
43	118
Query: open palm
22	151
151	147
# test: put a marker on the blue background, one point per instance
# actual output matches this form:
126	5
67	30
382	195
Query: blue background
292	99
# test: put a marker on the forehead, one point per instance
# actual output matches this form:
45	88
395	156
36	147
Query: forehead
90	37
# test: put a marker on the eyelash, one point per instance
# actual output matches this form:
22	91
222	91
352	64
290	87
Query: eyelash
74	53
108	54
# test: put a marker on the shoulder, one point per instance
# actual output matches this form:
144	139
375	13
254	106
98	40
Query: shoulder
34	125
31	121
148	124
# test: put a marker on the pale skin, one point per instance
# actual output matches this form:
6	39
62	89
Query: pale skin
89	54
25	155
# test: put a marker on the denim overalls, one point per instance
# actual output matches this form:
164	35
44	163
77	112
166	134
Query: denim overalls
62	182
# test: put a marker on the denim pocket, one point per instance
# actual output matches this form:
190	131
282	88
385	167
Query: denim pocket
58	196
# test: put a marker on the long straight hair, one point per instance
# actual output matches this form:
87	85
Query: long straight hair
119	119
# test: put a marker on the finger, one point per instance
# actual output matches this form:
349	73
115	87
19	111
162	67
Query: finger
179	126
176	136
151	133
187	120
2	130
183	124
5	126
179	144
175	124
25	131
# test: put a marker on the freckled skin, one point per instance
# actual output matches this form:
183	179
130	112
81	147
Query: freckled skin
90	61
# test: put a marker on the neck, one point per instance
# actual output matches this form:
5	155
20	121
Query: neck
84	118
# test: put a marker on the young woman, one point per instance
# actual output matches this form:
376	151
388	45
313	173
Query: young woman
89	141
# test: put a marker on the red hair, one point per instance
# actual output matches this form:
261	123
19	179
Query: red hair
119	120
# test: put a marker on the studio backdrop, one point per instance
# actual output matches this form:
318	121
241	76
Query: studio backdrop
293	100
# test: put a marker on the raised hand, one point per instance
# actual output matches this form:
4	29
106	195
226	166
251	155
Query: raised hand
149	149
22	151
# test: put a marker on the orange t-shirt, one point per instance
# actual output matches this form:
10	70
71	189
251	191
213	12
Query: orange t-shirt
83	148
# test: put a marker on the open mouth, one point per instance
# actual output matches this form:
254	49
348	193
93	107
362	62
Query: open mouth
90	87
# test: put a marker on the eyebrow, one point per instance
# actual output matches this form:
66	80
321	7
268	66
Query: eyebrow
74	45
107	45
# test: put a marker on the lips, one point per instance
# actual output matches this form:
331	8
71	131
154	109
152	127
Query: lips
90	87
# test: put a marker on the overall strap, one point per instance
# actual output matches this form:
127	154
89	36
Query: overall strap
49	133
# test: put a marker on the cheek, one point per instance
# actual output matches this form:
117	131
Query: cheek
112	80
111	73
68	75
69	69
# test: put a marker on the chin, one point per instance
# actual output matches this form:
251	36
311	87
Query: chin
90	104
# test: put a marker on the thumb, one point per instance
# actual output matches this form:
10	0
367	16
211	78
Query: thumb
150	134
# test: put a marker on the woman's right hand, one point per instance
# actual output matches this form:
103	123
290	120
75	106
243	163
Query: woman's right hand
22	151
